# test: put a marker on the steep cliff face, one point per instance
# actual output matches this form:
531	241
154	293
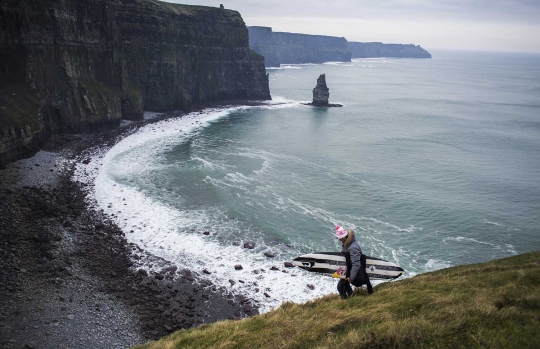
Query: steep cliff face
321	92
291	48
378	49
302	48
261	40
82	65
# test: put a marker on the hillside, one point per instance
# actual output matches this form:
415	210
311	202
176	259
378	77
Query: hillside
489	305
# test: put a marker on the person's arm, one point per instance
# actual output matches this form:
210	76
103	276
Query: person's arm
356	253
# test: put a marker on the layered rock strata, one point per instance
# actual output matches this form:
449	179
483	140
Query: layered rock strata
378	49
303	48
292	48
81	65
261	40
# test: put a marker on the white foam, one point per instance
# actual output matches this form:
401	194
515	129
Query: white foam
435	264
171	234
466	239
283	67
341	64
492	223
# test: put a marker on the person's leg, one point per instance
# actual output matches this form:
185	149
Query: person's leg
348	289
341	287
344	288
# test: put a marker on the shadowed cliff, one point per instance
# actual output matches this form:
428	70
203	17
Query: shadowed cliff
81	65
292	48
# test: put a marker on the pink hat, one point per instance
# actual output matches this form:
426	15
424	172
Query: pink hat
341	232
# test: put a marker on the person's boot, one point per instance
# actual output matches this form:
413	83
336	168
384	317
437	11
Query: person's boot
369	288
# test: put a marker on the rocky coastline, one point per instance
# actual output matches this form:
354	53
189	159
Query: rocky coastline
83	66
67	273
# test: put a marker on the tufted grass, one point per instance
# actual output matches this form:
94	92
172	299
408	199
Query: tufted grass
489	305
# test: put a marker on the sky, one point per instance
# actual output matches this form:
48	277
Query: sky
480	25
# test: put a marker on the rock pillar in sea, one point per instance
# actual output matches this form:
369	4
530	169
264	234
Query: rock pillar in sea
321	92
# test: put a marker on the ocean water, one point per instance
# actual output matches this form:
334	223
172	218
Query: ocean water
433	163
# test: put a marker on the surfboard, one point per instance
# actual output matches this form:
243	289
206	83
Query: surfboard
334	263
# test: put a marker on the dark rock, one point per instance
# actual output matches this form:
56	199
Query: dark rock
269	254
321	92
159	277
311	286
249	245
288	265
111	72
293	48
171	269
206	271
274	268
238	267
232	282
206	233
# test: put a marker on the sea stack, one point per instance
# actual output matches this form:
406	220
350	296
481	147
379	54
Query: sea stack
321	94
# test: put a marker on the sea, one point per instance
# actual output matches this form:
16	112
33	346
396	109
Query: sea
432	162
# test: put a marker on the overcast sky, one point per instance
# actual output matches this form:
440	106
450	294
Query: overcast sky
488	25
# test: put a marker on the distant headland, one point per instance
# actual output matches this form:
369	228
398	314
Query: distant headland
295	48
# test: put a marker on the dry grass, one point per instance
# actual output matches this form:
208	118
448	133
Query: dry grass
489	305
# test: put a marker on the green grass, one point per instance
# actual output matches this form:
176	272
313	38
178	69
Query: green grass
488	305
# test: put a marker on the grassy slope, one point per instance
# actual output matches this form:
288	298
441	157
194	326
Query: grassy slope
488	305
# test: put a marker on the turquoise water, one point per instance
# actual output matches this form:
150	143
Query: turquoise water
433	163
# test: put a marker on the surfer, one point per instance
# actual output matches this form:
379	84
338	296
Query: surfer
350	245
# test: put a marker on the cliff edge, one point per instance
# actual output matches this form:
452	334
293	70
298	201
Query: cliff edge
488	305
378	49
293	48
72	66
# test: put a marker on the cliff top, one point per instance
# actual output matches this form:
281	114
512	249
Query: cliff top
198	11
489	305
312	35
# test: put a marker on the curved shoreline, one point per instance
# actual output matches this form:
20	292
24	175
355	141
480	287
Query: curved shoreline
67	273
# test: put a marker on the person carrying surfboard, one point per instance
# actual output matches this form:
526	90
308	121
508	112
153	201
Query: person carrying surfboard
352	247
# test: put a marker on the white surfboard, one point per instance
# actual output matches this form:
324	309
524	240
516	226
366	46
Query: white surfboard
331	262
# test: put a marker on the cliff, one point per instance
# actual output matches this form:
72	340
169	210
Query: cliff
378	49
261	40
488	305
304	48
291	48
81	65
